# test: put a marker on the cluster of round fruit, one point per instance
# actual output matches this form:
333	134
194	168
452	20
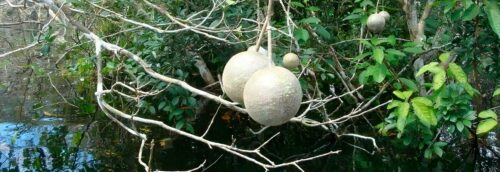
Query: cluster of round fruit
376	22
271	94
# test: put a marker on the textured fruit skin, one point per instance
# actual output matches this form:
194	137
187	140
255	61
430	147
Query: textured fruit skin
238	70
375	23
272	96
385	14
291	60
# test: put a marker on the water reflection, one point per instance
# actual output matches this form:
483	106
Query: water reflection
44	147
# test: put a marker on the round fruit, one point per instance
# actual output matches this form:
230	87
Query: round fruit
291	61
238	70
261	50
272	96
375	23
385	14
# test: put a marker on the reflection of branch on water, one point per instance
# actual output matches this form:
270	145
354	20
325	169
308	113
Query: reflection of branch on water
77	147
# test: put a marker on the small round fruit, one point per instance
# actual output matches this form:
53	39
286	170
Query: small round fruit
385	14
272	96
238	70
291	60
376	23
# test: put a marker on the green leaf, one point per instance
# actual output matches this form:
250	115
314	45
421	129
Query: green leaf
467	123
363	77
152	109
362	56
409	83
428	153
313	8
379	73
191	101
488	114
449	5
439	79
403	110
460	126
77	136
497	92
426	68
395	52
177	112
493	13
424	111
301	34
470	90
378	55
444	57
457	72
310	20
486	125
321	31
405	95
179	124
393	104
162	104
352	16
296	4
413	50
175	100
471	12
391	40
189	128
438	151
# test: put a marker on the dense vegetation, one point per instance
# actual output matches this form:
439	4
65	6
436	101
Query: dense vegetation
437	60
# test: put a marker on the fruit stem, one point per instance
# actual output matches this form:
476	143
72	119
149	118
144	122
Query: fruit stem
261	34
269	33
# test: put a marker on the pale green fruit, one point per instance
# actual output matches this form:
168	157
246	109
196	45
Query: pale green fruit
385	14
375	23
291	60
272	96
238	70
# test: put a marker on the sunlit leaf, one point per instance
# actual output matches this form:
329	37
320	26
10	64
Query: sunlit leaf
378	55
403	110
486	125
457	72
488	114
393	104
497	92
403	94
424	111
493	13
470	90
438	80
444	57
426	68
